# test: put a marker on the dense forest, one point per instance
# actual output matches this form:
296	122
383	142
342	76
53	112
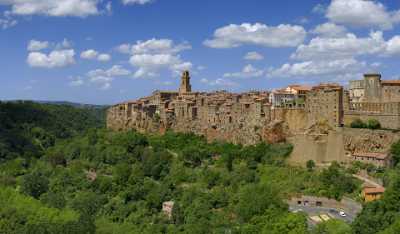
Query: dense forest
61	171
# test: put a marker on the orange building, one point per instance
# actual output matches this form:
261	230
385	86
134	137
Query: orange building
372	193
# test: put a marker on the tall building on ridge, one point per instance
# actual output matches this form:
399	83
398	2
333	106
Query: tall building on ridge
185	86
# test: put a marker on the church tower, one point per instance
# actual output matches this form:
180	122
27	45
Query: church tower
185	83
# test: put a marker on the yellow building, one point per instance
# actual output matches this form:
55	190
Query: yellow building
372	193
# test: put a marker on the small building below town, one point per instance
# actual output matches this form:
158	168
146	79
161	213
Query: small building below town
167	208
377	159
372	193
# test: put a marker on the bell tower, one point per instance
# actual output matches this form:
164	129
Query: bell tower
185	83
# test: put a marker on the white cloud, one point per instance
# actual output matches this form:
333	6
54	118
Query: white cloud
124	48
94	55
234	35
154	46
57	58
104	57
77	8
219	82
393	46
318	68
35	45
253	56
319	9
7	23
77	82
343	47
247	72
104	78
65	44
361	13
348	46
330	30
154	55
150	64
89	54
139	2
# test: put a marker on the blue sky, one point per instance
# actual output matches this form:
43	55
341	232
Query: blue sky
104	52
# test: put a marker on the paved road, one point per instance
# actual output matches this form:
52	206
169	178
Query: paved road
315	211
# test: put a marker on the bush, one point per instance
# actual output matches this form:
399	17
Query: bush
357	123
373	124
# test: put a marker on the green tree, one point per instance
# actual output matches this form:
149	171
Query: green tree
310	165
34	184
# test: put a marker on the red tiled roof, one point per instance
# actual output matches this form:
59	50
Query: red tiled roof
371	155
390	82
374	190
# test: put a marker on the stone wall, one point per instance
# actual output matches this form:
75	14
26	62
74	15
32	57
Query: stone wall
388	114
339	144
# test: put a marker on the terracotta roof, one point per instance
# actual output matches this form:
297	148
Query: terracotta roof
374	190
371	155
300	87
390	82
327	85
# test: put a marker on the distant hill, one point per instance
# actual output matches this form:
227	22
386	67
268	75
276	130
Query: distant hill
74	104
28	128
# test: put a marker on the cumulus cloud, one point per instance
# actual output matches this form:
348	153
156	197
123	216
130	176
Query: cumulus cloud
154	46
247	72
57	58
361	13
348	46
104	78
219	82
329	30
77	8
154	55
318	68
234	35
35	45
253	56
343	47
94	55
104	57
89	54
139	2
393	46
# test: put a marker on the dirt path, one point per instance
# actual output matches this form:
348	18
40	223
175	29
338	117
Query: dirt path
368	181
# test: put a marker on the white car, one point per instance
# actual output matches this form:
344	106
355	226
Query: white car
341	213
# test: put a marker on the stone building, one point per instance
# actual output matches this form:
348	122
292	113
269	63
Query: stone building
377	159
325	104
290	97
374	98
372	193
313	122
374	90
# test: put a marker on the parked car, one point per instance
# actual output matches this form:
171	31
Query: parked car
341	213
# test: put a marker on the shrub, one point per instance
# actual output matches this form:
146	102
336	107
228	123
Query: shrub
373	124
357	123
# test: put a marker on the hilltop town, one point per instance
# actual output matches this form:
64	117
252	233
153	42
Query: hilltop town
317	119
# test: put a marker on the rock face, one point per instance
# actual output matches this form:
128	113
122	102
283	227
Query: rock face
276	132
339	144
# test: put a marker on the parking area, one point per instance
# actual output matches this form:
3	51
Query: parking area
318	214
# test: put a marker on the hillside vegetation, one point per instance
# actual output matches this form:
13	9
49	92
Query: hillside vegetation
27	129
73	176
